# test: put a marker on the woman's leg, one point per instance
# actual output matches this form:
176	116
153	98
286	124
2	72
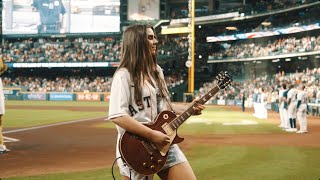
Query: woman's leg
178	171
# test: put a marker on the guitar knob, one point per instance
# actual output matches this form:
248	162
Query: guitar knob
152	167
152	158
159	161
144	165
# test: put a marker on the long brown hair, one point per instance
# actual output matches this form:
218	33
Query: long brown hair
137	58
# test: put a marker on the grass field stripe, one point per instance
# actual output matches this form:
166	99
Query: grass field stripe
50	125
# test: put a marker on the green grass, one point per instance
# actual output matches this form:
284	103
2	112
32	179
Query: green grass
229	163
245	162
58	103
21	118
210	122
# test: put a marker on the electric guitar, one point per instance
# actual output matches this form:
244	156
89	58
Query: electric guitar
145	157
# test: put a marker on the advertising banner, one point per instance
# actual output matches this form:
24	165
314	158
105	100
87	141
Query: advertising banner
106	96
7	91
88	97
61	97
221	102
275	32
35	96
11	91
230	102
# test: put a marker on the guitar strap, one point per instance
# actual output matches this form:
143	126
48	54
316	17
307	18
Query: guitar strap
170	104
160	97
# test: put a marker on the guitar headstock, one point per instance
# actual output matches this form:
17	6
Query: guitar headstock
224	79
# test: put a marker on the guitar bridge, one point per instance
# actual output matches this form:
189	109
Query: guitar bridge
150	147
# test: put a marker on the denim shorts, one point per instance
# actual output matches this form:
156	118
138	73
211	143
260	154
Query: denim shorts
175	156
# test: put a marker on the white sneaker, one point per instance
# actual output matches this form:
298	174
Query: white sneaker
288	129
3	149
291	130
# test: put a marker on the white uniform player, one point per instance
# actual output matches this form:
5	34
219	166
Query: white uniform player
292	107
263	104
255	101
282	110
302	109
122	103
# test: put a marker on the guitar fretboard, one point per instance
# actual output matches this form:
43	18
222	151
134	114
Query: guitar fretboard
189	112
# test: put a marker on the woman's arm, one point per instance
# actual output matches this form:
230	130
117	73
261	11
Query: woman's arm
131	125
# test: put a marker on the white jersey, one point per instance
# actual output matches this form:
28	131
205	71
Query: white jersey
302	96
292	94
264	98
281	98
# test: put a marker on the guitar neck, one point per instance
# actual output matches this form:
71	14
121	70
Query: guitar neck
189	112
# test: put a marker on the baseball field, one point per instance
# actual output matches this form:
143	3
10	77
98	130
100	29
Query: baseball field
71	140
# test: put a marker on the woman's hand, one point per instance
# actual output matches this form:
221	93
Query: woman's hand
198	107
159	138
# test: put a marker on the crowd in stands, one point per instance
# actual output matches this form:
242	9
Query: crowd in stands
172	47
277	47
108	50
71	84
59	84
271	83
45	50
79	50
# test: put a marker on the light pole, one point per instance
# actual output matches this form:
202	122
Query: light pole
191	6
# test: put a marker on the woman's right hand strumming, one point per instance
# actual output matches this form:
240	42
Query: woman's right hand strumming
159	138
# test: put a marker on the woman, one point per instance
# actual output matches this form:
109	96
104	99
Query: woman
138	94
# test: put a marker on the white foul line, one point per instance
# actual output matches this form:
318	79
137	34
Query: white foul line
7	139
50	125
